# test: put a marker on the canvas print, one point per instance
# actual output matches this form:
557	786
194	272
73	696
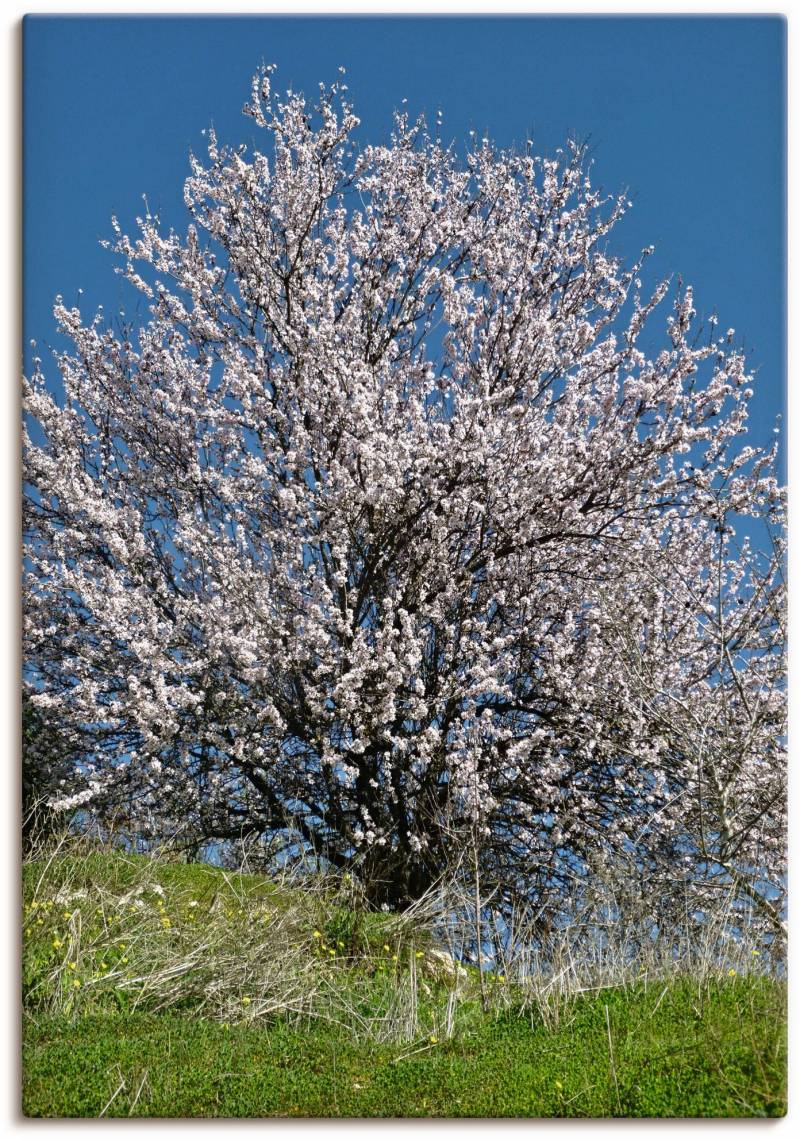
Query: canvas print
404	688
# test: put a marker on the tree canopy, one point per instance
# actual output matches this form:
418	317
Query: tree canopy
397	526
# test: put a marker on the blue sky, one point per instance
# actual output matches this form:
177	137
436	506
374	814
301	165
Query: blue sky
686	113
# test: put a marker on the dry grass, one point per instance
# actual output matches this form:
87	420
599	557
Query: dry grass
108	931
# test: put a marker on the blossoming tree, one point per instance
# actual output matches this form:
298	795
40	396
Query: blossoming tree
390	526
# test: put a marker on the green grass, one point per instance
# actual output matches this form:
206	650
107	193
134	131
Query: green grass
155	988
676	1051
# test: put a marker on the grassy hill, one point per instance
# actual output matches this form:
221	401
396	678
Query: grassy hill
155	988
